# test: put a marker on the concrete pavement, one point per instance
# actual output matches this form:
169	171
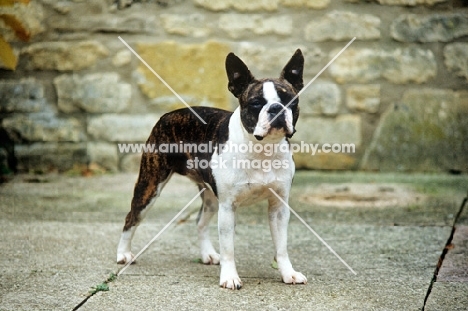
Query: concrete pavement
59	237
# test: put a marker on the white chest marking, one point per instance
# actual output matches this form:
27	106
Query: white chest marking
244	185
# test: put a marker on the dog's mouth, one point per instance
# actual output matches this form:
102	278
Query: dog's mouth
274	131
274	121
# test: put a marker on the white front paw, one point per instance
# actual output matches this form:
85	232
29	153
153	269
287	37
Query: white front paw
232	282
294	277
123	258
229	277
210	258
208	254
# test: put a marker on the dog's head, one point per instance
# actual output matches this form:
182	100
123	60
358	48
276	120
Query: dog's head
265	105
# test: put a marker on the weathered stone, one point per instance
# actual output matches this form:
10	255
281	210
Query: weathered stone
191	70
122	58
194	25
44	127
46	157
271	59
122	128
103	154
239	5
312	4
168	103
338	26
7	65
79	7
401	2
398	66
108	23
321	98
94	93
63	56
213	5
410	2
456	56
130	162
344	129
25	95
426	131
364	98
429	28
243	25
29	15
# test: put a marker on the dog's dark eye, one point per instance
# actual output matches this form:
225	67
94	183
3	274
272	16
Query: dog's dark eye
294	103
256	104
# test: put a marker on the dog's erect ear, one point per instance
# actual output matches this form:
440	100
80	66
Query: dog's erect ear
292	72
239	75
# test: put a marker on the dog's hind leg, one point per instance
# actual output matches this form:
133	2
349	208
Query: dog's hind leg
151	180
209	207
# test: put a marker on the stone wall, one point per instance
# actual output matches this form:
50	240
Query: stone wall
399	92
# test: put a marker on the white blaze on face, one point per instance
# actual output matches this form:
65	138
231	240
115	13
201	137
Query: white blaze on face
271	96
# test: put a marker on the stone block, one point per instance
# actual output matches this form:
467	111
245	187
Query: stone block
344	129
239	5
79	7
103	154
365	98
193	25
311	4
93	93
271	59
321	98
402	2
169	103
31	17
26	95
46	157
456	56
192	70
44	127
244	25
339	26
399	66
122	128
108	23
410	2
63	56
122	58
429	28
426	131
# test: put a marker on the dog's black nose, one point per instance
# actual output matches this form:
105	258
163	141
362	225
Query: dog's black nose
275	108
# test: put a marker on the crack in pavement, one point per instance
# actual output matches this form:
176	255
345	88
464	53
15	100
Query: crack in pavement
448	246
96	289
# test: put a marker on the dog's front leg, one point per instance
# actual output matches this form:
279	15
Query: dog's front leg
226	225
278	214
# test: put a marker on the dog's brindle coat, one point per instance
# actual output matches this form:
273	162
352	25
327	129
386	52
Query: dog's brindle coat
221	127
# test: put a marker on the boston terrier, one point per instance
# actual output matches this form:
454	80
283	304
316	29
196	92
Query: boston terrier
236	176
